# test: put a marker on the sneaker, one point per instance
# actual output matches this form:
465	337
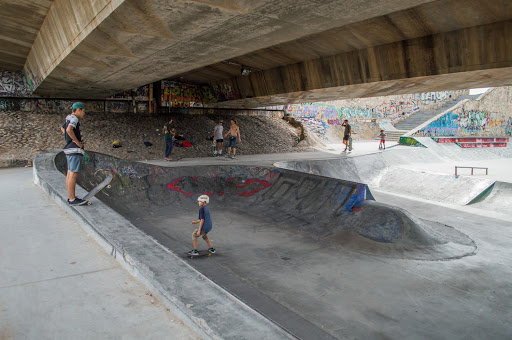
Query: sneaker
211	250
227	155
233	157
193	252
76	197
167	158
76	201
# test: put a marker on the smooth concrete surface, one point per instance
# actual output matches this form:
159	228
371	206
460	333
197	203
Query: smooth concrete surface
57	283
210	310
343	289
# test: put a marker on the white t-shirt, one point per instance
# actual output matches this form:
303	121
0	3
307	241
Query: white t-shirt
219	129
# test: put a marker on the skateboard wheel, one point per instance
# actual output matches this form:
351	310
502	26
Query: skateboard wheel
109	186
89	203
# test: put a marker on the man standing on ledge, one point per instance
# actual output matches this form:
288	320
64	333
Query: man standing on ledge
74	150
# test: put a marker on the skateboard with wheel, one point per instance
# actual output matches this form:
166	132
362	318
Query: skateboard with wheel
201	253
96	189
350	144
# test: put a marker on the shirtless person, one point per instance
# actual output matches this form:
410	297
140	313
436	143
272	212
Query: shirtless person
234	137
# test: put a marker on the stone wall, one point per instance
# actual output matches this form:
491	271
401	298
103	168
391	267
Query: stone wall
488	116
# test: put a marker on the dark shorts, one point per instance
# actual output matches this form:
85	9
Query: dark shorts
232	142
219	140
345	137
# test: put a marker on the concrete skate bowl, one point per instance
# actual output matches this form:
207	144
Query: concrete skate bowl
375	170
256	210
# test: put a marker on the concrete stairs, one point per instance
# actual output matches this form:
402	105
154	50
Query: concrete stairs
420	117
393	135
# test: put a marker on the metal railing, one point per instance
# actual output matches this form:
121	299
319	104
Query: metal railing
472	168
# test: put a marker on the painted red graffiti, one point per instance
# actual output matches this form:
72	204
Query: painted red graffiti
249	182
173	186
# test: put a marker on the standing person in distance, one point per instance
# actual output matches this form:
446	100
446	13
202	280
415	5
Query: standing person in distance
168	140
234	137
74	150
347	133
219	139
382	144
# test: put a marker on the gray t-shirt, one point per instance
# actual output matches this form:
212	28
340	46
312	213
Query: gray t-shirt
219	129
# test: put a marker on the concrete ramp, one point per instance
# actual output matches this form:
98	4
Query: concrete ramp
309	203
497	198
376	170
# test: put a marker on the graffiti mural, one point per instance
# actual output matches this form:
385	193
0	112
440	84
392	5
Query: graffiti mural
468	123
14	84
409	141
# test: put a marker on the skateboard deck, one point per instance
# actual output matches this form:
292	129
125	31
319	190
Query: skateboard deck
201	253
350	144
96	189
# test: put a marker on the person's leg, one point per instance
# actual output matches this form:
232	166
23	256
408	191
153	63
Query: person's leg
207	240
194	239
168	143
71	184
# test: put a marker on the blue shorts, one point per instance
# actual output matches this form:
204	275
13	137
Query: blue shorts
232	142
74	162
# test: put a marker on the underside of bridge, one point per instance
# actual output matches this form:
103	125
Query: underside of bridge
292	50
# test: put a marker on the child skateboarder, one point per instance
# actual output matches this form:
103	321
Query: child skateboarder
382	144
205	225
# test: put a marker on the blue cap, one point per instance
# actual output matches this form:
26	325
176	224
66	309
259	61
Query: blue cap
78	105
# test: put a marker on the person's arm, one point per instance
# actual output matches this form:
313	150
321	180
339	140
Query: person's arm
239	136
201	222
71	134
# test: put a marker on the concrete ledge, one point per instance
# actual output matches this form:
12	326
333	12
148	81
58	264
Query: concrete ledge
204	306
14	163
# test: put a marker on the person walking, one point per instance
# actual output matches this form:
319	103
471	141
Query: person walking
234	137
74	150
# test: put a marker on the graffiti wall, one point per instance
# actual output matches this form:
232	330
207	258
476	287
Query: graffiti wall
14	84
325	118
181	95
489	116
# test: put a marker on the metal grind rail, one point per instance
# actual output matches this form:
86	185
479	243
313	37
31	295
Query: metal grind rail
472	169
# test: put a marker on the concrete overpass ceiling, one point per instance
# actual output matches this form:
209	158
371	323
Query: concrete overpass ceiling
297	49
144	41
20	21
424	20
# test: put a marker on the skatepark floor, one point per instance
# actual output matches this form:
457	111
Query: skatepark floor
57	283
306	285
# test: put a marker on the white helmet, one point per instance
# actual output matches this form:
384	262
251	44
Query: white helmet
204	198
